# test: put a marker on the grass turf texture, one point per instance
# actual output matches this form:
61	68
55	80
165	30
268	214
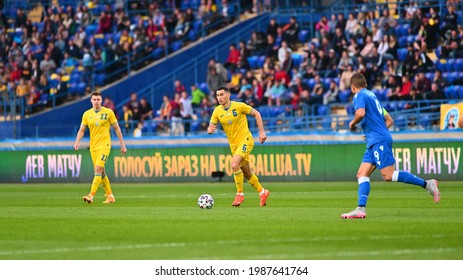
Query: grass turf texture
162	221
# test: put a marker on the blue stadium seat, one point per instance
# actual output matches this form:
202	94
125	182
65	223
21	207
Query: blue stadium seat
322	110
400	122
157	53
402	42
303	36
192	35
449	66
252	61
297	59
261	61
402	54
204	88
175	46
425	121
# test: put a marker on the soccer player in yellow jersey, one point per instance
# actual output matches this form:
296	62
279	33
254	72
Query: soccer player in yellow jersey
99	120
232	117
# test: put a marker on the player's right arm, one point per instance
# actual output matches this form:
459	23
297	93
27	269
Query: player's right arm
80	135
213	122
460	122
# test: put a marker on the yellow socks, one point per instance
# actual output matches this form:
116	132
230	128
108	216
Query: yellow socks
239	178
254	181
106	185
95	184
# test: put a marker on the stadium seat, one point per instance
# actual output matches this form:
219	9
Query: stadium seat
192	35
400	122
252	61
402	42
204	88
402	54
175	46
297	59
449	66
303	36
424	120
322	110
157	53
261	61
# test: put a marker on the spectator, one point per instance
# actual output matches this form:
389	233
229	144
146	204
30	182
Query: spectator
145	111
214	80
109	103
47	65
275	92
186	111
331	95
435	93
105	23
450	19
197	95
233	57
21	18
291	30
271	50
176	116
344	82
138	131
422	84
440	80
127	117
272	28
178	87
134	104
15	54
316	96
284	56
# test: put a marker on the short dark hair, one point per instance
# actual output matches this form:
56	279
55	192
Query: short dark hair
96	93
224	88
358	80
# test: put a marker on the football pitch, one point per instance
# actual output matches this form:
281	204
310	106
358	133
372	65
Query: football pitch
163	222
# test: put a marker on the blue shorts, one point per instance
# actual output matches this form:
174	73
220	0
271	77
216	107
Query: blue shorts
380	155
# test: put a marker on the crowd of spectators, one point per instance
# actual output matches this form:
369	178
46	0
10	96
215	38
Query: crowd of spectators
64	53
317	71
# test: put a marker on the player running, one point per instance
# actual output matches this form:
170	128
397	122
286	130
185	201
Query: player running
232	117
370	114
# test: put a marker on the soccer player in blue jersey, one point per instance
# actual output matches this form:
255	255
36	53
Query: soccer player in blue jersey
371	116
233	118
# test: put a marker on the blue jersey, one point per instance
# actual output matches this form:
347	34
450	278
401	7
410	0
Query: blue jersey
373	124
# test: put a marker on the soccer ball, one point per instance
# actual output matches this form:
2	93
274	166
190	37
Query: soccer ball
205	201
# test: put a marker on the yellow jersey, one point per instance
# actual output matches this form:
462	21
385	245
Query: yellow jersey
99	123
234	121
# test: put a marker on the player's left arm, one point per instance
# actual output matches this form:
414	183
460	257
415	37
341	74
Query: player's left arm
388	119
358	117
260	125
118	132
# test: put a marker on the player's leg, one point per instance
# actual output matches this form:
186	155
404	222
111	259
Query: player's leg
363	178
239	178
107	185
390	174
253	180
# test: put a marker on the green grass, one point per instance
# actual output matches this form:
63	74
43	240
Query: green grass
162	221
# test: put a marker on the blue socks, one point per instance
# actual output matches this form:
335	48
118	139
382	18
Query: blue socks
407	178
364	191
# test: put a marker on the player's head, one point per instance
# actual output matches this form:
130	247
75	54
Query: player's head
357	82
223	95
96	100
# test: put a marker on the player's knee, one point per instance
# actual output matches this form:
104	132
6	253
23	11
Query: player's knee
387	177
235	166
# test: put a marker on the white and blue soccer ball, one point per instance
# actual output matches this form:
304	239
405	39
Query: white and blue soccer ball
205	201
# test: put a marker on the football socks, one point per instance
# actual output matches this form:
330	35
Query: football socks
364	191
95	184
239	177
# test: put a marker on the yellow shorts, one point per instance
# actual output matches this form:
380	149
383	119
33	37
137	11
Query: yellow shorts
99	157
244	149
